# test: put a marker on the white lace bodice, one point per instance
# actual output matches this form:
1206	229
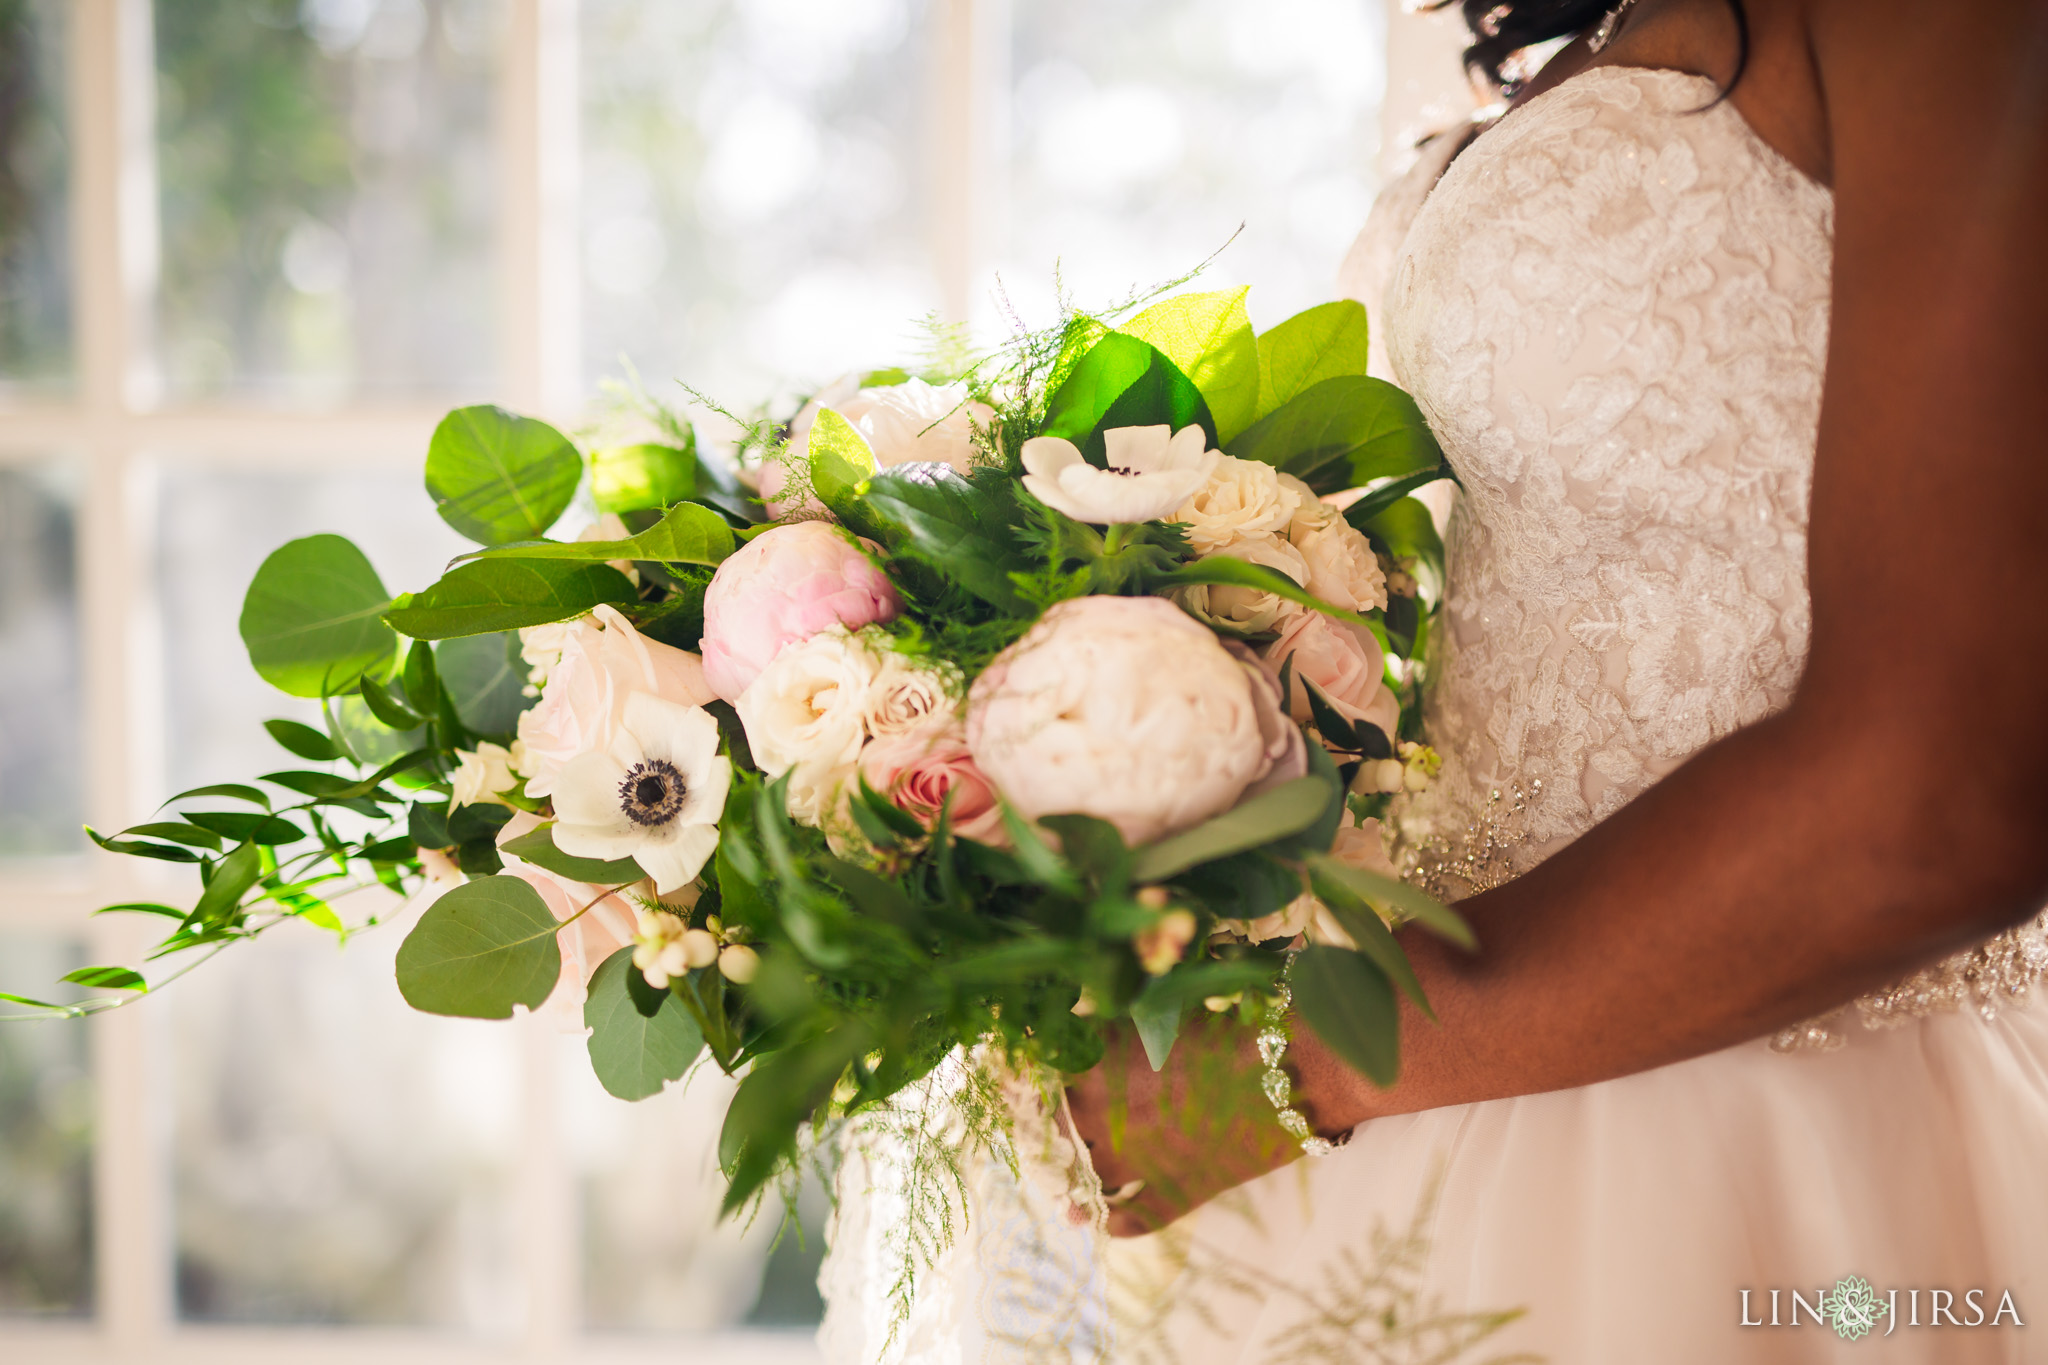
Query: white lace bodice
1613	309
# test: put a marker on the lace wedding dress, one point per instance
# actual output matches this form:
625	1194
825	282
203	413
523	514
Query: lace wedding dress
1613	308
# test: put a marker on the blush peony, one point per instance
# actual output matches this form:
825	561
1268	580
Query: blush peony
787	584
1122	708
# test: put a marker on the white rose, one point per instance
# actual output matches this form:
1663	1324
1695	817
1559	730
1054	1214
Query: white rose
1342	568
807	710
1311	513
1241	498
1247	610
540	648
909	693
1122	708
481	775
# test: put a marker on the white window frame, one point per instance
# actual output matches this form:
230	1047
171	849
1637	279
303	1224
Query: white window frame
117	433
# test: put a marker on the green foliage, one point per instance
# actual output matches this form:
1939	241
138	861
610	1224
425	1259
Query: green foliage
686	534
1209	339
484	678
634	1051
486	596
840	461
1342	433
1404	528
1232	572
1123	382
952	525
1399	898
1348	1001
497	477
1269	817
480	949
1156	1014
645	476
537	846
312	619
1327	341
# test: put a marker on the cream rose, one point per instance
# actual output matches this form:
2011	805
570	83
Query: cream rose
1122	708
1242	498
1345	664
1247	611
806	711
1311	513
910	694
1342	568
603	661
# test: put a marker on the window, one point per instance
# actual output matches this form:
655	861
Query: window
249	251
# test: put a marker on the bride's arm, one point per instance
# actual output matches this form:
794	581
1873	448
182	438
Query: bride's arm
1898	809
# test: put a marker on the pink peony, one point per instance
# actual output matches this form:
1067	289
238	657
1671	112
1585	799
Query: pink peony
604	660
787	584
918	769
1343	661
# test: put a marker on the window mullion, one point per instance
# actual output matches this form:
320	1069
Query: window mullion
969	54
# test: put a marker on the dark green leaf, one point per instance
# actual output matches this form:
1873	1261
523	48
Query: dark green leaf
369	740
1343	433
1326	342
1406	901
1286	810
242	826
312	618
303	741
1092	845
233	791
638	477
385	705
479	858
876	896
1349	1003
107	978
538	847
952	525
1123	382
142	908
496	476
1036	856
478	820
485	677
1408	531
427	823
1373	938
422	681
634	1054
396	850
900	822
489	595
135	848
687	534
480	949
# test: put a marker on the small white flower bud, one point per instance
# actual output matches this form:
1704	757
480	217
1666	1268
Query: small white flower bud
739	963
699	949
1152	897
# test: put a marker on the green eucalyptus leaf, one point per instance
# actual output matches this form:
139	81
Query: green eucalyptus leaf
427	823
688	533
1343	433
178	833
1326	342
303	741
486	596
1372	936
369	740
1123	382
641	477
480	949
386	705
485	678
1350	1004
635	1054
232	791
136	848
312	618
1286	810
243	826
108	979
232	876
1208	337
538	847
496	476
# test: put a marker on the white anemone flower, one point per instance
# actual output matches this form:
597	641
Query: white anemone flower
654	795
1152	471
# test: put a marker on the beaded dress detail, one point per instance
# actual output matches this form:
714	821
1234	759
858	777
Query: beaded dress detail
1615	316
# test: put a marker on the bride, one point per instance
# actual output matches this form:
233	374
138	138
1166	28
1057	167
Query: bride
1731	328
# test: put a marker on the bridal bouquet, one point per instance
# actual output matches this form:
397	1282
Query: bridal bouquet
977	708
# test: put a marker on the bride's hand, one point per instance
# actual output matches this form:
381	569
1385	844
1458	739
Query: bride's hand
1200	1125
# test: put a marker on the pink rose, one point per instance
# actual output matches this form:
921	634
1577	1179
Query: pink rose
785	585
590	940
918	769
604	660
1343	661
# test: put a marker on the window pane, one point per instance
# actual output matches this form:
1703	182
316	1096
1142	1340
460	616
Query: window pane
1147	131
41	757
752	189
655	1255
35	256
340	1157
328	177
45	1141
214	529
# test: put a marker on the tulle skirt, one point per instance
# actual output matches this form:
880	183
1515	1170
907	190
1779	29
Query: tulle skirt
1620	1222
